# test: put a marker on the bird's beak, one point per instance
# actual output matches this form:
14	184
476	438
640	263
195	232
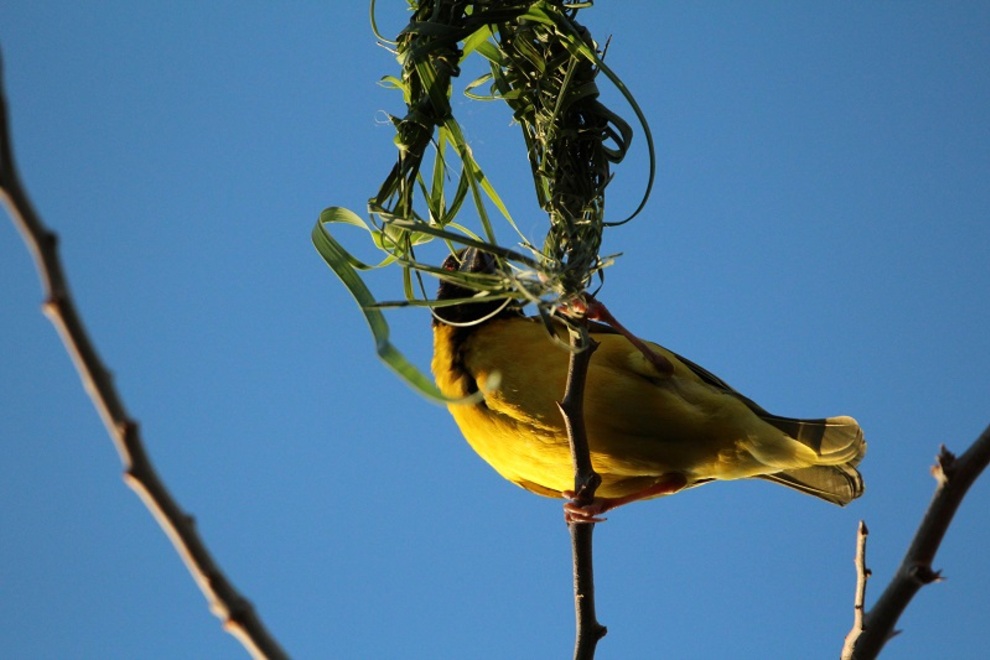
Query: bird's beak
474	260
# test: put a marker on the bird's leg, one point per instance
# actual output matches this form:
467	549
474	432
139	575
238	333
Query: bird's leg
596	311
591	513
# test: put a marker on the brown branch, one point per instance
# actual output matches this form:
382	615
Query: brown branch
954	477
859	601
236	613
587	628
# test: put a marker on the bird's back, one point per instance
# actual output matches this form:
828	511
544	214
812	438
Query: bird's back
641	423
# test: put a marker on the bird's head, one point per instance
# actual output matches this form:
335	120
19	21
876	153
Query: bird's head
468	260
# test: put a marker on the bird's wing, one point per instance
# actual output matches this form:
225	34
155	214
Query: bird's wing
836	440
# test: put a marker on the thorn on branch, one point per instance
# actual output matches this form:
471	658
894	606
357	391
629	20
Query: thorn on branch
945	464
925	575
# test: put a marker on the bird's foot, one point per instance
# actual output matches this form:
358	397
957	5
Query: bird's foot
596	311
591	512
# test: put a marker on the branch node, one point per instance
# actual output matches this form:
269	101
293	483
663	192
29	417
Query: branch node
127	429
238	613
588	484
50	307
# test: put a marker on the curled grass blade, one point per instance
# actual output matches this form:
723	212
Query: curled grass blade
345	266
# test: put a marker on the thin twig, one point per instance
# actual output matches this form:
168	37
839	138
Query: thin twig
954	476
587	628
859	601
237	613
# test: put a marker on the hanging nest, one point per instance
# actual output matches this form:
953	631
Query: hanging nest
543	65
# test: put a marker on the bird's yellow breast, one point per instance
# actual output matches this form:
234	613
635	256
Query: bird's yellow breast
641	423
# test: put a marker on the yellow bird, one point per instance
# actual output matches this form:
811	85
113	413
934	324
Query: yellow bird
653	428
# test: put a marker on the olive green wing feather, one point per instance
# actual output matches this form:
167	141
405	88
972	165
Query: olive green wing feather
837	441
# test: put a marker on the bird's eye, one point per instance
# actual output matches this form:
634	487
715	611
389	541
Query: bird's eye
451	263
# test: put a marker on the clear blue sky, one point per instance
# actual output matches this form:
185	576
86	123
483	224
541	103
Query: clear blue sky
818	237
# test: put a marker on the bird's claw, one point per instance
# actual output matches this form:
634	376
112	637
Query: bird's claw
584	512
590	512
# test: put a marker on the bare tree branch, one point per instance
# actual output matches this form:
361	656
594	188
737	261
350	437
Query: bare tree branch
236	612
859	602
954	477
587	628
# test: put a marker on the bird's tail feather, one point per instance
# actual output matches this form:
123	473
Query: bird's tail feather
839	444
839	484
835	440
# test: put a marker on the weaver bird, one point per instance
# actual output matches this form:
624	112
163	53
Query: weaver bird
656	422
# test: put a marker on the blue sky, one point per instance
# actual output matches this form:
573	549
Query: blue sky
817	237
